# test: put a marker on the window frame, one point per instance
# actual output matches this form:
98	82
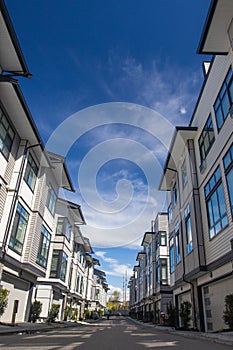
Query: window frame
214	190
66	227
44	244
19	229
172	254
205	142
52	199
184	173
177	244
6	142
228	168
225	91
60	269
188	230
31	172
163	238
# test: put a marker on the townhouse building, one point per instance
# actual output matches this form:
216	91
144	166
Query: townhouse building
43	255
150	284
99	290
198	177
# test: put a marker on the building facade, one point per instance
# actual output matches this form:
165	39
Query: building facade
198	177
43	254
149	286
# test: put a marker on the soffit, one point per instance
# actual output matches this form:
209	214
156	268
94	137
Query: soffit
214	39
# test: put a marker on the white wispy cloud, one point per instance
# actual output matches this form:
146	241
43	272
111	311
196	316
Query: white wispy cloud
119	215
115	267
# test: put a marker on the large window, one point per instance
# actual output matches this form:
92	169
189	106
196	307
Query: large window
184	173
224	100
163	238
31	172
174	194
216	206
172	255
161	271
177	243
19	229
64	228
170	214
206	139
51	202
43	251
79	283
188	228
228	166
59	265
6	135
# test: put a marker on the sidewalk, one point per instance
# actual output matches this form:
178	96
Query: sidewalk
220	337
28	327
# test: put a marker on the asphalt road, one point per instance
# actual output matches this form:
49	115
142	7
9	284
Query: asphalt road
118	333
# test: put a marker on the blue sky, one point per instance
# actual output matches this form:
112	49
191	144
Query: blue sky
110	80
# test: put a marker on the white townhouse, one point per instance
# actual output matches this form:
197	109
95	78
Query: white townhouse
43	254
63	283
99	290
198	177
23	167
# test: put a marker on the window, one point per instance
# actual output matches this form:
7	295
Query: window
163	238
79	284
170	214
177	243
31	172
172	256
43	251
63	228
59	265
51	202
174	194
19	229
228	166
6	135
184	173
224	100
206	139
189	237
216	206
161	271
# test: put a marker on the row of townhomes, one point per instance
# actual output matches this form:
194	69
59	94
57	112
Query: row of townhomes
188	255
44	255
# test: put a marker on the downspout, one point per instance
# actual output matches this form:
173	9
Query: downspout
14	201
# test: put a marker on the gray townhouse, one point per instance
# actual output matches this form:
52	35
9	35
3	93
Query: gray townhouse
198	179
43	255
149	287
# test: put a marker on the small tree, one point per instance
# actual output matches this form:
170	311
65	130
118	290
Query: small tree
171	312
35	311
53	313
185	312
3	300
228	312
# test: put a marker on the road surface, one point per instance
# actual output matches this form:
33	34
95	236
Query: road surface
118	333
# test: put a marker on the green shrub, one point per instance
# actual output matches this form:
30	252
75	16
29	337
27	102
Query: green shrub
53	313
185	313
228	312
3	300
35	311
68	313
